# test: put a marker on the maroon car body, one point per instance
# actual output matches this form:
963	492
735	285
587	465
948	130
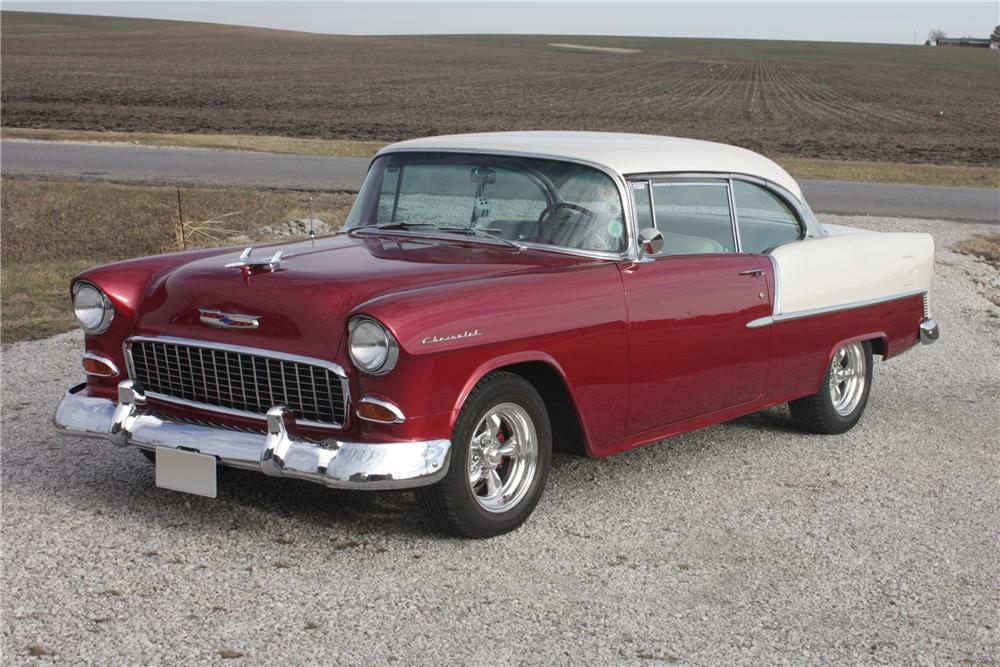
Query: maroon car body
623	351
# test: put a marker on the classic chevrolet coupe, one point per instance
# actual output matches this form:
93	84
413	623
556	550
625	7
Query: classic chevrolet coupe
492	297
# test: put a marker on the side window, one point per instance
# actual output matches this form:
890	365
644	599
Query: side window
764	220
693	217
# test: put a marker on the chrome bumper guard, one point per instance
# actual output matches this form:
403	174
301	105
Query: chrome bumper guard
929	331
337	464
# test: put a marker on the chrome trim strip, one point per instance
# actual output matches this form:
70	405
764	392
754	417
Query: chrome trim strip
777	285
391	407
732	216
278	453
104	360
208	407
232	412
799	314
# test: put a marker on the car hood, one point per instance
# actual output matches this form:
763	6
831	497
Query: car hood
303	304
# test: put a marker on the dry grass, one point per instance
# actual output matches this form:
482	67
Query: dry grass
890	172
984	246
834	170
233	142
53	230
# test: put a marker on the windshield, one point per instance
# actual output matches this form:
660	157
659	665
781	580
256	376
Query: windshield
521	200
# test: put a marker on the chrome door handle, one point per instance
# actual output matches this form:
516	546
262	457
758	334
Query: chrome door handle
752	272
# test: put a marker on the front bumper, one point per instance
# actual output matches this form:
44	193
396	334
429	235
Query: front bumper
349	465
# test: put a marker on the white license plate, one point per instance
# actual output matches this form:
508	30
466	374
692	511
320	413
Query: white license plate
185	471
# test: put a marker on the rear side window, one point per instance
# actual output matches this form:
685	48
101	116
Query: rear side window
764	219
693	217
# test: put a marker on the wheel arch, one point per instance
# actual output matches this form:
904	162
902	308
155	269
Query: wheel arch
877	339
569	433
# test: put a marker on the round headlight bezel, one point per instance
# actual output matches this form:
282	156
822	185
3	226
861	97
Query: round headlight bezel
385	341
102	302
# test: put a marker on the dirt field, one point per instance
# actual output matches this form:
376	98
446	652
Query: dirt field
833	101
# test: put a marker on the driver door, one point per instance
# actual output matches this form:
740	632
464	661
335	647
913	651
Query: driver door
690	350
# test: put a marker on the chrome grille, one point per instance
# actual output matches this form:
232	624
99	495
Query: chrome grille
234	379
927	306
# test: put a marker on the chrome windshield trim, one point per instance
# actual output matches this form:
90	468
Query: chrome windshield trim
812	312
336	369
631	246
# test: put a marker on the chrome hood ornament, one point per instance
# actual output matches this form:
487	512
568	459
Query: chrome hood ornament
223	320
245	262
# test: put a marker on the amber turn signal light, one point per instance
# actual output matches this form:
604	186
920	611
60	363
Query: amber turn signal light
98	365
383	412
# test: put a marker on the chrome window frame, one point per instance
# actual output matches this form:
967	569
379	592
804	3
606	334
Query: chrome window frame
336	369
808	225
667	180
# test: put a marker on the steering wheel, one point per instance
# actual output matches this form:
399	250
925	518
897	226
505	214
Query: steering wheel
575	215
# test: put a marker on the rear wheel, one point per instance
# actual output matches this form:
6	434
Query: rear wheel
500	456
842	395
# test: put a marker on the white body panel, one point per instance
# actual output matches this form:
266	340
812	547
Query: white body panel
618	152
848	268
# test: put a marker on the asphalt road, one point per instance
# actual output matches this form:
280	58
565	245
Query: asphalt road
193	167
748	543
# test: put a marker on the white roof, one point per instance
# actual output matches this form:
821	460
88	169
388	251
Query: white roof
618	152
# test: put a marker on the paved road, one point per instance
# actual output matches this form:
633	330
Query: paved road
191	167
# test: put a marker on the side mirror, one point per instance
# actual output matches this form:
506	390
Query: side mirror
650	242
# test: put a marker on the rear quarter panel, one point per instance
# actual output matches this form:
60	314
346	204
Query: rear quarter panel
851	268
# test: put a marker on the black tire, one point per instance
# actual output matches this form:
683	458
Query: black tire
816	413
150	456
451	502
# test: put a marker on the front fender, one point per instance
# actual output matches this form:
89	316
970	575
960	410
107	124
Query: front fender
573	320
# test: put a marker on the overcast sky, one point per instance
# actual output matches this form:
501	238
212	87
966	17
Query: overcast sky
897	22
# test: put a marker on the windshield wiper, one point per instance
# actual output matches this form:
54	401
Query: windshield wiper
484	232
404	225
489	233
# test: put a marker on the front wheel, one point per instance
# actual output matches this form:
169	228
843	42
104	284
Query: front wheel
501	451
842	395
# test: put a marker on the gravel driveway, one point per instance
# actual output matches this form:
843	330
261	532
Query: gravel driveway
748	542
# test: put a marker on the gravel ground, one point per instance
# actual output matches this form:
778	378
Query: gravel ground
747	542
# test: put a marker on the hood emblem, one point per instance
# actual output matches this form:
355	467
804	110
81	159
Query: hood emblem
245	262
221	320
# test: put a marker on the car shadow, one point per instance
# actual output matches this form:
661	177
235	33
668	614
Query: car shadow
123	480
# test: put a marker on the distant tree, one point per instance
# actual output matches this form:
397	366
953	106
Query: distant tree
935	35
995	37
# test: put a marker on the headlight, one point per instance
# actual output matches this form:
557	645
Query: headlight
93	309
373	349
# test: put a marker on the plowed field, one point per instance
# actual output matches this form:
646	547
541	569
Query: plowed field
853	102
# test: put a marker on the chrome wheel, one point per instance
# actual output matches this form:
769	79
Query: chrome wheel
503	457
847	378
